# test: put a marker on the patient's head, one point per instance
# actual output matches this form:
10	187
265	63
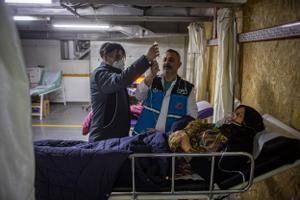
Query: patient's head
249	117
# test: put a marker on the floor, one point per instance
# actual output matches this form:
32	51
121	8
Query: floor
63	122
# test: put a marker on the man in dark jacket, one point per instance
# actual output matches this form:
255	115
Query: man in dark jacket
110	103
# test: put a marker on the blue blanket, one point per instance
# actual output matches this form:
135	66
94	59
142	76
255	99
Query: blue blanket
81	170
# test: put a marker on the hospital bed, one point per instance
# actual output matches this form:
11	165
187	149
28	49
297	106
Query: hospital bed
50	81
105	169
276	149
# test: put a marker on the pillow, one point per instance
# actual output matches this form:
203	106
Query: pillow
204	110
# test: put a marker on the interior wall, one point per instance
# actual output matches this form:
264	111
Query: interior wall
47	54
270	72
136	48
271	69
271	83
77	89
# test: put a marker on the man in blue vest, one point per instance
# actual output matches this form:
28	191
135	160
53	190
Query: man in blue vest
166	97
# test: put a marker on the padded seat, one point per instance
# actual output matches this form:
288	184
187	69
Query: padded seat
51	81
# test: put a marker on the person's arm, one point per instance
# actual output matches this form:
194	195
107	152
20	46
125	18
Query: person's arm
110	82
142	89
141	92
192	106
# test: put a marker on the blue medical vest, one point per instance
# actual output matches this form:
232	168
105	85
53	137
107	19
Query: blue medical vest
152	105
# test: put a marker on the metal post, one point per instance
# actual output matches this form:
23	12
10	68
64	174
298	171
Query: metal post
212	171
64	95
41	106
173	175
234	60
133	177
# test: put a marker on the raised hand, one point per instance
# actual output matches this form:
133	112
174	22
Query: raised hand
153	71
154	68
152	53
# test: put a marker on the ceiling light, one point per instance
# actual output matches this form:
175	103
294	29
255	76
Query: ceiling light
30	1
30	18
81	26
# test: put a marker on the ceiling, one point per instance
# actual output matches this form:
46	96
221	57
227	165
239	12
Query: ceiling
127	19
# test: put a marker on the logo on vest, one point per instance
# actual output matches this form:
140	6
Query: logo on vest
155	90
182	91
179	106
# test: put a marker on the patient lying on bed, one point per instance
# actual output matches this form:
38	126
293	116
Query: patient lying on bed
235	134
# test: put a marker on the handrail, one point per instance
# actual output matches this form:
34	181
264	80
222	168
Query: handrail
172	192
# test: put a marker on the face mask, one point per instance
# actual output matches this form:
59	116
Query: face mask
225	120
119	64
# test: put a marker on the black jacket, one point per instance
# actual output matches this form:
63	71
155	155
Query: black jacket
109	97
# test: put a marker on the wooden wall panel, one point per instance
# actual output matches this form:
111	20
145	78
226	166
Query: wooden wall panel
271	83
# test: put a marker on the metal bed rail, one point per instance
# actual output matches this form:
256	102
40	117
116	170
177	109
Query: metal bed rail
172	193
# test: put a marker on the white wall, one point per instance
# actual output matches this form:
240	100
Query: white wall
134	49
47	53
77	88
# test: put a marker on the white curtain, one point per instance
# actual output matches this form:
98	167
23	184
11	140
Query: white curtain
16	149
226	72
196	70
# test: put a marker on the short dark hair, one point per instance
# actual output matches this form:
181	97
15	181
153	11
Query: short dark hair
174	51
108	48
